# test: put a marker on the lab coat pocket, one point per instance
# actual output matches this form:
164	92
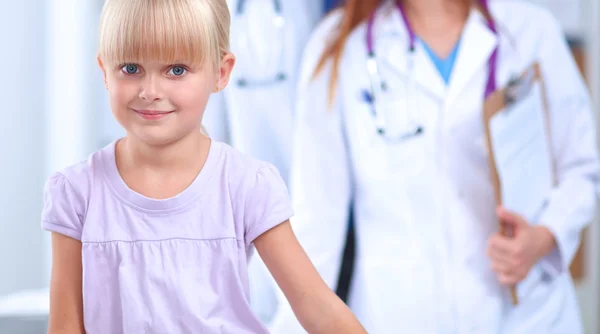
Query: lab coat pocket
405	135
531	283
370	147
406	158
390	133
540	304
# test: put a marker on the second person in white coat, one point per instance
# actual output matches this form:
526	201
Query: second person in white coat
429	258
254	114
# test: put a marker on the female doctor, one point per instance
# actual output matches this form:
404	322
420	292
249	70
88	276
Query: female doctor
407	155
254	114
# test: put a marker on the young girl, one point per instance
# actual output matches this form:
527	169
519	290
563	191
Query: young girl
152	234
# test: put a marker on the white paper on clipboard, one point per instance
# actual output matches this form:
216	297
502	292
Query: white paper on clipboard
521	146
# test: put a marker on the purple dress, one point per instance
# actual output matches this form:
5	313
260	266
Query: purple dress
177	265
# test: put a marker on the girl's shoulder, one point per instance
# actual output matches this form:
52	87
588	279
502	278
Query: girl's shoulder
243	170
80	175
66	196
259	195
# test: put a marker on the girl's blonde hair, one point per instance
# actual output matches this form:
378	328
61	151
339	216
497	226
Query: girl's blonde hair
165	31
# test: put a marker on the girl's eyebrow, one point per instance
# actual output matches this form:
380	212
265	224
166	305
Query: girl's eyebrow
178	62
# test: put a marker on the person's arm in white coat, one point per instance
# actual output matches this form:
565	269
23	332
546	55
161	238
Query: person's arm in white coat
320	175
554	239
573	130
215	119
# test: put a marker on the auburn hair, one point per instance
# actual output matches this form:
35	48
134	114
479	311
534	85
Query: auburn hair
354	12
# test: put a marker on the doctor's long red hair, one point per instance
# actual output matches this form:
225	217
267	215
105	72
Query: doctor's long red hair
354	13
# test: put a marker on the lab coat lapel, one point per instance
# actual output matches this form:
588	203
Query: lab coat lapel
478	42
392	47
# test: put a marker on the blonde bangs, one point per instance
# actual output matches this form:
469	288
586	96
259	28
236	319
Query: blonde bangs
165	31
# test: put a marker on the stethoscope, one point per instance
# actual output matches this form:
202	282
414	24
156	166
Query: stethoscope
278	23
379	87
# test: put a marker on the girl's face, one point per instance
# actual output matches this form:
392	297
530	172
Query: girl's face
161	103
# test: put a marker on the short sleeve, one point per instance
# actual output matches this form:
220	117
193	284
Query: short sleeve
62	211
267	203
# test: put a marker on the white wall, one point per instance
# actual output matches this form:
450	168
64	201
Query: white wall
21	143
75	104
53	102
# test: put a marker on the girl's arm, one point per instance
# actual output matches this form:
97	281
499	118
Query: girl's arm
316	306
66	300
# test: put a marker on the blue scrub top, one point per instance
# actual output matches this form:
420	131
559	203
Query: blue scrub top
444	66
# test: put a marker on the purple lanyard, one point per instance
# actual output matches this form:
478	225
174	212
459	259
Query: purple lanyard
490	86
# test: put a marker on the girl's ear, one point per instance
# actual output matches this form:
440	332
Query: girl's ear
225	68
103	71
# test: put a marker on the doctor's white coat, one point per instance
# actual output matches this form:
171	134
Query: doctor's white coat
424	208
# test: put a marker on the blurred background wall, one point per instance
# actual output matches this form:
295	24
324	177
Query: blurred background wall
23	154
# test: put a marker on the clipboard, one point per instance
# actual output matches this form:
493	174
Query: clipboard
501	101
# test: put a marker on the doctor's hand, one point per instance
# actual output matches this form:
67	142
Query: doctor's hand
513	256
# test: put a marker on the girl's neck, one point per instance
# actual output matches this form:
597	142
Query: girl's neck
161	171
175	156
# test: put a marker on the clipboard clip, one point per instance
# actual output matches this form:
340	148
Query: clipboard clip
519	87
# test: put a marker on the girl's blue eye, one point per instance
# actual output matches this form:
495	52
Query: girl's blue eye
177	71
130	68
